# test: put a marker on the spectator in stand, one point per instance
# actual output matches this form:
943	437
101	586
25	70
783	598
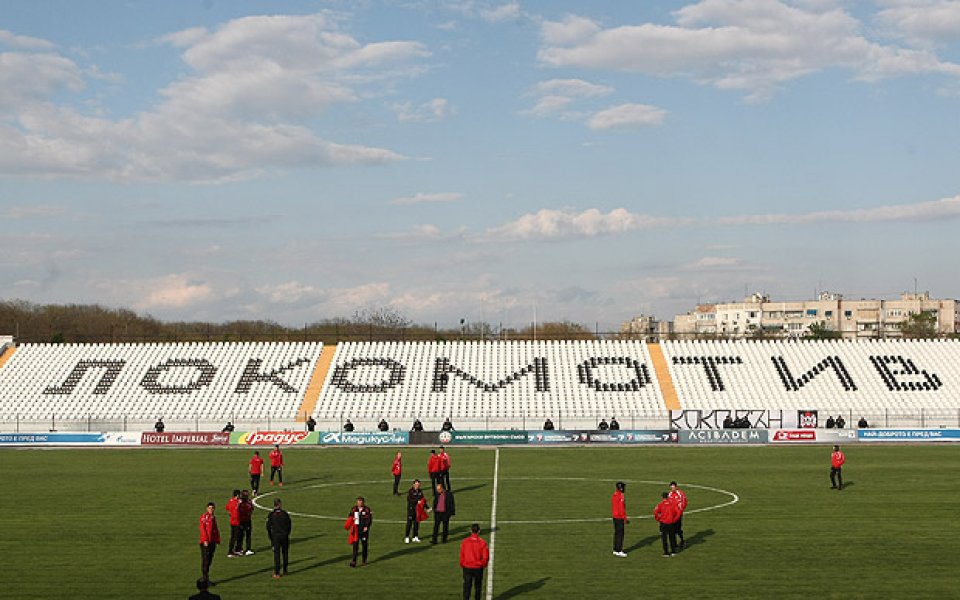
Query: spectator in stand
276	464
830	423
383	425
246	523
862	423
474	556
159	426
548	425
728	422
311	424
256	471
603	425
619	508
348	426
666	513
233	509
614	424
209	538
278	530
203	591
228	428
397	469
840	422
447	425
417	425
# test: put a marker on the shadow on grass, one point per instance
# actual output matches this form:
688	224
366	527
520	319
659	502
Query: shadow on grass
345	558
847	484
399	553
699	537
304	539
257	572
647	541
523	588
469	488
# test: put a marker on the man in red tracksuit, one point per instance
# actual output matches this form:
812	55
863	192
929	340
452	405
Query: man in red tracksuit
246	522
233	509
619	508
444	474
474	556
433	468
209	538
256	470
836	465
680	497
397	471
276	464
666	513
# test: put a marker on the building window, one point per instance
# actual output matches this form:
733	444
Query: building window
811	313
847	314
828	313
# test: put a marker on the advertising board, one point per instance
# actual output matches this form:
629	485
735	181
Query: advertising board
364	438
908	435
483	437
723	436
812	436
557	437
70	439
651	436
185	438
273	438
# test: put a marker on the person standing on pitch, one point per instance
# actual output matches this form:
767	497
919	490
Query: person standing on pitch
666	513
444	476
680	497
256	471
433	468
397	470
359	520
246	523
416	511
443	509
474	556
278	530
619	507
209	538
233	509
836	468
276	464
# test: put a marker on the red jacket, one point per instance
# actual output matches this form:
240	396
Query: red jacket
619	505
667	512
837	459
233	507
256	466
276	458
444	461
208	529
422	509
680	498
246	511
397	467
474	553
353	532
433	464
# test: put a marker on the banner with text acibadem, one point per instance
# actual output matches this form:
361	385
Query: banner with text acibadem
723	436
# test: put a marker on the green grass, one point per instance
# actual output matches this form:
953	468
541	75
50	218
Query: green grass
123	523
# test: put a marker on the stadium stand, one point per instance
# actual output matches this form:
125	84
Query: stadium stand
181	381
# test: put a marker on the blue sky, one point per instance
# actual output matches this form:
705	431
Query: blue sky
452	159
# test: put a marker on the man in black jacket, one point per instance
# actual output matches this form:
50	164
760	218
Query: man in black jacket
278	530
443	509
414	496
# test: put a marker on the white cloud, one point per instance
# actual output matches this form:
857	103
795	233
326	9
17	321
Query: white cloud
945	208
627	116
291	292
431	111
425	198
240	113
572	88
713	262
555	97
25	42
754	46
923	22
170	292
505	12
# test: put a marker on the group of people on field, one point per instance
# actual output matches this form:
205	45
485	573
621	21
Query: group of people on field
668	513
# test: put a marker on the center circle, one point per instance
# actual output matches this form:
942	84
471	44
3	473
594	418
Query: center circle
733	499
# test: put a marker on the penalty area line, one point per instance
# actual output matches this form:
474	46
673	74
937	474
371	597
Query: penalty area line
493	523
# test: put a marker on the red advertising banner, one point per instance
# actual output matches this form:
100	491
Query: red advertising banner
185	438
794	435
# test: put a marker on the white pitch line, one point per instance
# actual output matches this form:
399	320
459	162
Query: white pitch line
493	523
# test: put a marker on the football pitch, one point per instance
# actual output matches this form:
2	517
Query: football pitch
761	522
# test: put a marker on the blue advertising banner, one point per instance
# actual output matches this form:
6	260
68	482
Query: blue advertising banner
627	436
483	437
364	438
908	435
557	437
68	439
723	436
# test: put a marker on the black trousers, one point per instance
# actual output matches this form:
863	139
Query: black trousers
836	475
668	531
472	578
206	559
255	483
279	473
412	523
396	485
360	547
618	535
235	538
435	478
679	528
281	553
439	518
445	479
246	531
